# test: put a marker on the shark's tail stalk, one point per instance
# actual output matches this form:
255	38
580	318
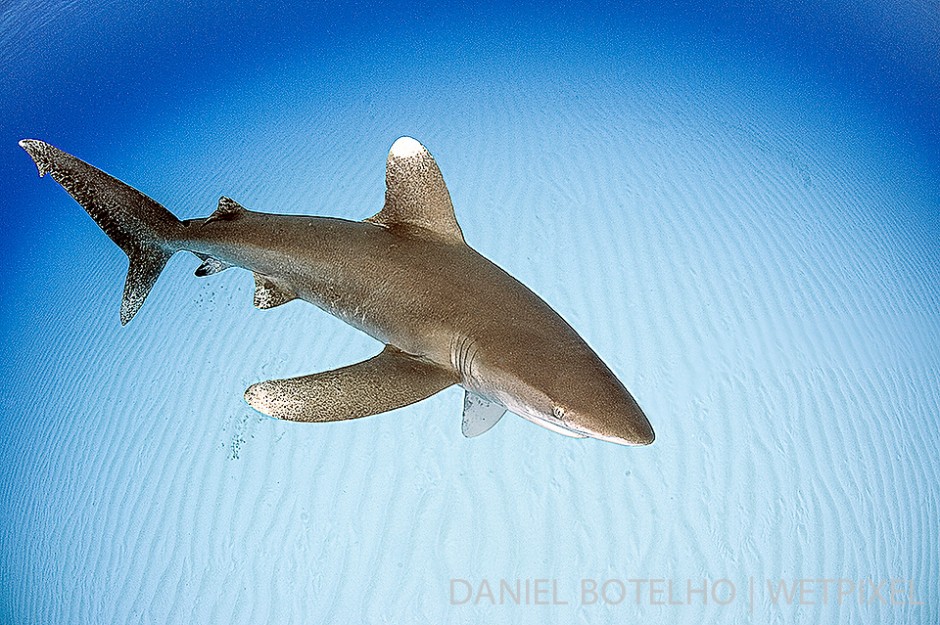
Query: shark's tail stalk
147	232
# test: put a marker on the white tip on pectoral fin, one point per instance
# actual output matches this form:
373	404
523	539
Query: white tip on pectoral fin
479	415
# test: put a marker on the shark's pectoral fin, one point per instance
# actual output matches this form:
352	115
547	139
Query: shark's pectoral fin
415	194
479	415
390	380
270	292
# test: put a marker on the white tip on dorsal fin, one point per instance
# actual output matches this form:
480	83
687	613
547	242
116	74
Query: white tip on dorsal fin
406	147
415	193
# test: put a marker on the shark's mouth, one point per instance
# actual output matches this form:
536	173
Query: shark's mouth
559	424
555	425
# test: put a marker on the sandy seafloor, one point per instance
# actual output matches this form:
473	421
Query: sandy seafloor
744	228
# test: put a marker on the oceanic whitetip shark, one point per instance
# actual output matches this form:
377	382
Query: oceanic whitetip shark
405	276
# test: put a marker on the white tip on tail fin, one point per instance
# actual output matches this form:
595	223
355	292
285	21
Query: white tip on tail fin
38	151
145	266
147	232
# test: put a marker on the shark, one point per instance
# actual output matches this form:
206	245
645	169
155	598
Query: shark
405	276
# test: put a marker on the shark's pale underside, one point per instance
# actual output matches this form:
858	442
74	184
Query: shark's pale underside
405	276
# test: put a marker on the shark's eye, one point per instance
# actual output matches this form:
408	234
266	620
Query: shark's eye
558	412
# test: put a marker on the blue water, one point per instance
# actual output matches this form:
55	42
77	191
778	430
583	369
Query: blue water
737	206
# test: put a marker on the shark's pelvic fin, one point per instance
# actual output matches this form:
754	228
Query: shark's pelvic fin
390	380
270	292
147	232
210	266
479	415
415	193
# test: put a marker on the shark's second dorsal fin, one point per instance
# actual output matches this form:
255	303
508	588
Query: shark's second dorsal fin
415	193
227	210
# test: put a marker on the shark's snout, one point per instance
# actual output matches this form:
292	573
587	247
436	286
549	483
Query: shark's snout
619	420
630	432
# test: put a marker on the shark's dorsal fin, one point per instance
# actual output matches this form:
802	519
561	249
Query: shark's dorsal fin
227	210
385	382
479	415
270	293
415	193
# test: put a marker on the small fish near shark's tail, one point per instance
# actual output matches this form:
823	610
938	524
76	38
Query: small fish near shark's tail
147	232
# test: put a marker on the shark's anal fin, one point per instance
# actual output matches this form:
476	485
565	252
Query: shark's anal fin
388	381
415	194
270	292
479	415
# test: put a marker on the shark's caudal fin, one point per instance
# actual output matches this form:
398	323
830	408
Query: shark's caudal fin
147	232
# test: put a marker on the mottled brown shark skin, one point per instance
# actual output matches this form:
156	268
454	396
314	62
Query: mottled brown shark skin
405	276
